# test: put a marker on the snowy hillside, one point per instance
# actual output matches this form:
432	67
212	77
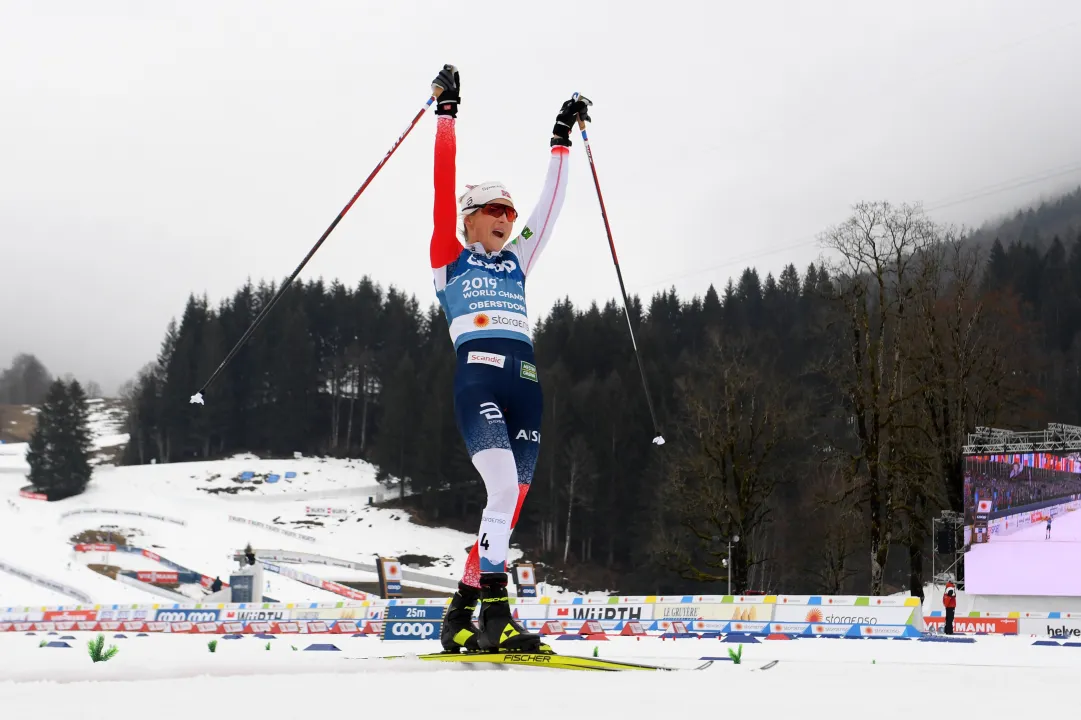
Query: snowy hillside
197	515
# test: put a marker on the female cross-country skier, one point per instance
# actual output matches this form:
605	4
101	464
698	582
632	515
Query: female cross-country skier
497	394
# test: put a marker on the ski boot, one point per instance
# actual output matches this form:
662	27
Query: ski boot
498	628
459	633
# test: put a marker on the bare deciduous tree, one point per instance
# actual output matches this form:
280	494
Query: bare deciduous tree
874	267
837	521
581	475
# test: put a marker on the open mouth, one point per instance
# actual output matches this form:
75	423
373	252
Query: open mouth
499	234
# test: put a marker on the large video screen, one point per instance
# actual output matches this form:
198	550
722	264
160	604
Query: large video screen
1022	524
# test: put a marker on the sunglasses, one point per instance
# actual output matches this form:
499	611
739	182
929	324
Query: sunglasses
497	209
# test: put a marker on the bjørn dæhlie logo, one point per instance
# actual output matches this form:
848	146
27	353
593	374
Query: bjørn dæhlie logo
491	412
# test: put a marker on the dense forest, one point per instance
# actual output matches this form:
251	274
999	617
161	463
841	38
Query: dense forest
817	415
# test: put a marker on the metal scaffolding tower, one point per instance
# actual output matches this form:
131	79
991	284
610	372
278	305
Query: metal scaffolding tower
1057	438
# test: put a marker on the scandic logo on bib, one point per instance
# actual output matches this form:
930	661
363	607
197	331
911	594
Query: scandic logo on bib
487	359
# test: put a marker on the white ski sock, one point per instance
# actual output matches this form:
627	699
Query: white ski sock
500	474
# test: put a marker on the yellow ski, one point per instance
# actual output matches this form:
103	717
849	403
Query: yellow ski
549	660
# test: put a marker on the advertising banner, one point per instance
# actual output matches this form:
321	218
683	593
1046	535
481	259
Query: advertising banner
153	576
1058	628
131	513
412	630
95	547
788	628
971	626
582	613
70	615
851	615
713	611
741	626
271	528
343	590
344	613
828	630
266	615
422	622
188	615
530	612
326	511
135	614
878	631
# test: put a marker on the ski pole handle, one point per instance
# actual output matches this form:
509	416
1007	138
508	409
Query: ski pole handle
436	91
587	101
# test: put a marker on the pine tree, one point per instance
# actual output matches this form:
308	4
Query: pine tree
59	452
40	454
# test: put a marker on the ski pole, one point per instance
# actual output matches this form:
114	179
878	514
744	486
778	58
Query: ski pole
659	440
198	396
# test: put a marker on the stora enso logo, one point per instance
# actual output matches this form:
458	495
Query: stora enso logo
815	615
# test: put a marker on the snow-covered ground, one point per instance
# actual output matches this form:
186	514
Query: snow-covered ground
14	590
1025	563
884	679
214	504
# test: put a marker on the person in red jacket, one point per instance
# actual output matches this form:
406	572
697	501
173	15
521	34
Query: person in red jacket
949	601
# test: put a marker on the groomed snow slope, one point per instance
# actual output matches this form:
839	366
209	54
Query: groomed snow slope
213	505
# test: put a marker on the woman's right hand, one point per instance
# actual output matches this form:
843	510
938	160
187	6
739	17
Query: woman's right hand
573	110
449	98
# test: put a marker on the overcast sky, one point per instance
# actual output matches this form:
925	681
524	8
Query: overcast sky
152	149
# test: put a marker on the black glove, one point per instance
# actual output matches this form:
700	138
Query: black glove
448	100
567	117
